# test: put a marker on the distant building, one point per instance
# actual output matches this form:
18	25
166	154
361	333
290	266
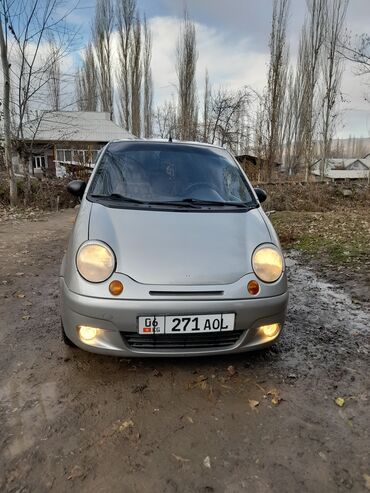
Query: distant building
252	165
64	139
343	169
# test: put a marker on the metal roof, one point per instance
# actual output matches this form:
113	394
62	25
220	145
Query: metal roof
340	164
74	126
342	174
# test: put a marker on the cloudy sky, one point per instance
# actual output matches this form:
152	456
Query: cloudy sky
232	38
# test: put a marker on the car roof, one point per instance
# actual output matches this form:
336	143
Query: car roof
170	142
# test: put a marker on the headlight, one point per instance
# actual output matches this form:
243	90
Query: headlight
95	261
267	263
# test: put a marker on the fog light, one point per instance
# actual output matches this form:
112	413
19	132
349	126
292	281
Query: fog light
270	330
86	333
116	288
253	287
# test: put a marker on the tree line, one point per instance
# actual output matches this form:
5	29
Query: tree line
300	106
293	120
115	75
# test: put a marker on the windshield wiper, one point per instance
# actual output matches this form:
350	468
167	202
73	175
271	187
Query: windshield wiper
175	203
243	205
117	196
123	198
187	202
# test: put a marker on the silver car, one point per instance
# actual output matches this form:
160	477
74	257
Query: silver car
171	255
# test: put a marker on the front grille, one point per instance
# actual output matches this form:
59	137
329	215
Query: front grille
185	341
186	293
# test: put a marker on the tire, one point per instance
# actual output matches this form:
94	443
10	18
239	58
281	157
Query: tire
67	341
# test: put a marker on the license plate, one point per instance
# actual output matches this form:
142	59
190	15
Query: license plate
186	324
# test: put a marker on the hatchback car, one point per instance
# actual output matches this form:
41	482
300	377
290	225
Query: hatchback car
171	255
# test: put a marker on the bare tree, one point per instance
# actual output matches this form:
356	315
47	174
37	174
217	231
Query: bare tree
289	131
332	74
361	148
242	142
186	61
54	75
227	111
165	119
299	108
136	78
125	12
87	83
338	150
358	52
206	107
313	34
148	82
276	81
102	35
302	104
260	135
29	24
6	104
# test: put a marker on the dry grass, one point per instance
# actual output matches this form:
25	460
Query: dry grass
339	237
315	197
46	194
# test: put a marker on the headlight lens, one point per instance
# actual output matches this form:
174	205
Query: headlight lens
95	262
267	263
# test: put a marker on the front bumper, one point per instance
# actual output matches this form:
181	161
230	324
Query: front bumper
116	316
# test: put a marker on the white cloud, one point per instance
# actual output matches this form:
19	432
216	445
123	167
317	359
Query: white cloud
230	63
355	110
38	88
235	62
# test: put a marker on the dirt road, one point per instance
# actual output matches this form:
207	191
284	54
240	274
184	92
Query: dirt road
73	421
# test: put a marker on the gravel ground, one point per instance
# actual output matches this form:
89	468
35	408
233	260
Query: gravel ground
294	418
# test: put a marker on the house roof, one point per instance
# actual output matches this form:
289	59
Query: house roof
252	159
342	174
339	164
74	126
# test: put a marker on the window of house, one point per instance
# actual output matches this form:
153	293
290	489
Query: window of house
39	162
65	155
85	157
80	156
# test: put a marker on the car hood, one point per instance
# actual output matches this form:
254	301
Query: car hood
180	248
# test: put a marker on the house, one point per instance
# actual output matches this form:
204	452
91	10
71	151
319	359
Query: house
343	169
59	140
252	165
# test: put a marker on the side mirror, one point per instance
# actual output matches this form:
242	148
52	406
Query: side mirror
76	188
261	194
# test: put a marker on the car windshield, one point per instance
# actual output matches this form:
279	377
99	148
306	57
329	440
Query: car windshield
169	173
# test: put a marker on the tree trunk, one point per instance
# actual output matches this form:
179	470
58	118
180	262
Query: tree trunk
24	163
6	109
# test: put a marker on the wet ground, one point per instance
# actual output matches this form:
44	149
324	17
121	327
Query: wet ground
295	418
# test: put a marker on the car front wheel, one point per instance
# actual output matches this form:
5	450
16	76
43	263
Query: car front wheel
65	338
